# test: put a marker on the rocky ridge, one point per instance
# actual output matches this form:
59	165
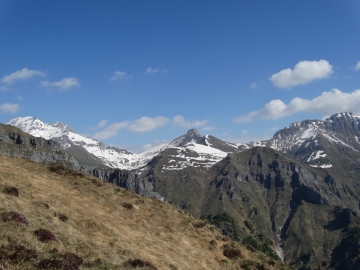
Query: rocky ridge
192	149
16	143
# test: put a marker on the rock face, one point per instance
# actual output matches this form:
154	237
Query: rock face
16	143
319	143
267	193
127	179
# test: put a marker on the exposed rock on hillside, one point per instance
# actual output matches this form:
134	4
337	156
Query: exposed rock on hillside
270	194
16	143
88	223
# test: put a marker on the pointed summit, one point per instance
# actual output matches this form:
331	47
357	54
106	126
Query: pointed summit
194	132
191	135
63	126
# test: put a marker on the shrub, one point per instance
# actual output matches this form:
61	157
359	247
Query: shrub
57	168
199	224
227	224
44	235
62	217
16	253
249	225
137	263
13	216
232	253
62	170
127	205
213	244
263	247
66	261
11	191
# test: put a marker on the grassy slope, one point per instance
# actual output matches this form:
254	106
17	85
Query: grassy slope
99	227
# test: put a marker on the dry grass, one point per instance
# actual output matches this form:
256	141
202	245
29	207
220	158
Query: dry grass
94	220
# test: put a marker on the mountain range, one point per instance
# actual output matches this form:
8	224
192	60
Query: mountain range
295	197
204	151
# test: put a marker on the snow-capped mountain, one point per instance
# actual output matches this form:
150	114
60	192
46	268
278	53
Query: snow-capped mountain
319	143
190	149
67	137
314	142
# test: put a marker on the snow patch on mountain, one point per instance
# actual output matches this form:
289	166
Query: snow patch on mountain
316	155
260	144
324	166
194	155
193	150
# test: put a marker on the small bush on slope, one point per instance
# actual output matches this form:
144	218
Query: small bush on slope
14	216
44	235
66	261
11	191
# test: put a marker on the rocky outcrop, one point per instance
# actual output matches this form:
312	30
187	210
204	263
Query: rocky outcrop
269	194
16	143
128	180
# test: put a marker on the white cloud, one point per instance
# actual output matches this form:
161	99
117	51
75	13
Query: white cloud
151	70
357	66
62	85
139	125
327	103
110	131
179	120
119	75
19	97
102	123
23	74
9	108
147	123
244	132
208	128
303	72
253	85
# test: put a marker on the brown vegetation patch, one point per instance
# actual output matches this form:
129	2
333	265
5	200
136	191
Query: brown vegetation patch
66	261
11	191
14	216
95	263
44	235
62	170
62	217
232	253
199	224
97	182
138	263
16	253
213	244
128	205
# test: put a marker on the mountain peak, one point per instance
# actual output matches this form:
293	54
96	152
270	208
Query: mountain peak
343	115
63	126
194	132
191	135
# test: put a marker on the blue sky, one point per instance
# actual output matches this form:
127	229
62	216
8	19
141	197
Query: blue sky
134	73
